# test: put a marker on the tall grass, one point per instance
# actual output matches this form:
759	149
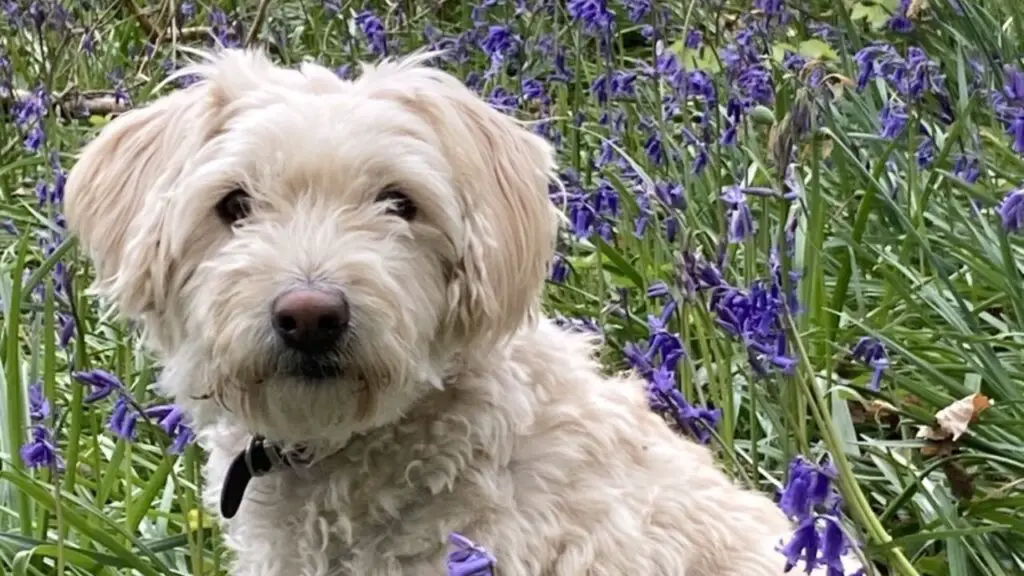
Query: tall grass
838	177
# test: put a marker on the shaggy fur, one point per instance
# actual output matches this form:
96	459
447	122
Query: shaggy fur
459	407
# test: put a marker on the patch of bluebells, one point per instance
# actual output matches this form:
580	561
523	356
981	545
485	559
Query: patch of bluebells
41	450
754	315
912	78
656	360
28	113
811	499
374	32
125	415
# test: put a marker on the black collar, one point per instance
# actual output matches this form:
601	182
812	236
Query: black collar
259	458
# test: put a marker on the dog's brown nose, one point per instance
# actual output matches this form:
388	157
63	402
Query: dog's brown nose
310	320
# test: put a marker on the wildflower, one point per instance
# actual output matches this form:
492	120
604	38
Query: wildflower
637	9
1011	211
65	329
577	324
899	22
665	398
754	316
500	42
467	558
123	419
374	32
874	60
741	220
38	405
220	28
967	168
102	383
694	38
807	485
593	15
803	546
88	43
171	418
116	78
811	498
559	269
662	342
40	452
925	153
871	353
893	118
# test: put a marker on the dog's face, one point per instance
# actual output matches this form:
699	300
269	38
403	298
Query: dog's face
309	255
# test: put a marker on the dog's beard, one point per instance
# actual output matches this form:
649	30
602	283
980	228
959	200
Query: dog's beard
292	397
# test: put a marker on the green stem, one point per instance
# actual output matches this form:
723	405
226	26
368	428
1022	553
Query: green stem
852	493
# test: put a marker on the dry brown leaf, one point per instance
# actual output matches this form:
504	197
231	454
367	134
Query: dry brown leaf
915	8
951	422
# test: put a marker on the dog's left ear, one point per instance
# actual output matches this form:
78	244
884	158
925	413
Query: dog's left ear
502	172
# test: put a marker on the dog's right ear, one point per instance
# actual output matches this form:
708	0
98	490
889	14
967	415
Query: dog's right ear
114	194
117	193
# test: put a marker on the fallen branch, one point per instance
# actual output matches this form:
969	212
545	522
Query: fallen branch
75	105
155	33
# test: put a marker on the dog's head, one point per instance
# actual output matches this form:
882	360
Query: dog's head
310	255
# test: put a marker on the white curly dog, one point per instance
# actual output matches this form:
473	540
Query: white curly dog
344	276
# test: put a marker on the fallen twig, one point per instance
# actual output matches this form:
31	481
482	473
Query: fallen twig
73	104
156	33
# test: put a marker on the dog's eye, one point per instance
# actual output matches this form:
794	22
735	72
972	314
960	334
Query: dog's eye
401	205
234	206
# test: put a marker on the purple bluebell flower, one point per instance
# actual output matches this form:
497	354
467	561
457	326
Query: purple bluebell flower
741	220
875	60
637	10
331	7
65	329
967	167
466	558
893	119
592	15
924	155
808	485
871	352
804	545
40	451
171	419
499	43
220	28
373	31
664	398
582	325
503	100
101	382
899	22
560	269
1011	211
694	38
88	42
38	405
754	316
123	419
186	12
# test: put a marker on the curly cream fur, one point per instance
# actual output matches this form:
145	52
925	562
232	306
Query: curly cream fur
461	408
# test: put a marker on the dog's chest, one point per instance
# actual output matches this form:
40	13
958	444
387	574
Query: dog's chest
342	524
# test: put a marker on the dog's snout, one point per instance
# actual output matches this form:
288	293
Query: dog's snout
310	320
